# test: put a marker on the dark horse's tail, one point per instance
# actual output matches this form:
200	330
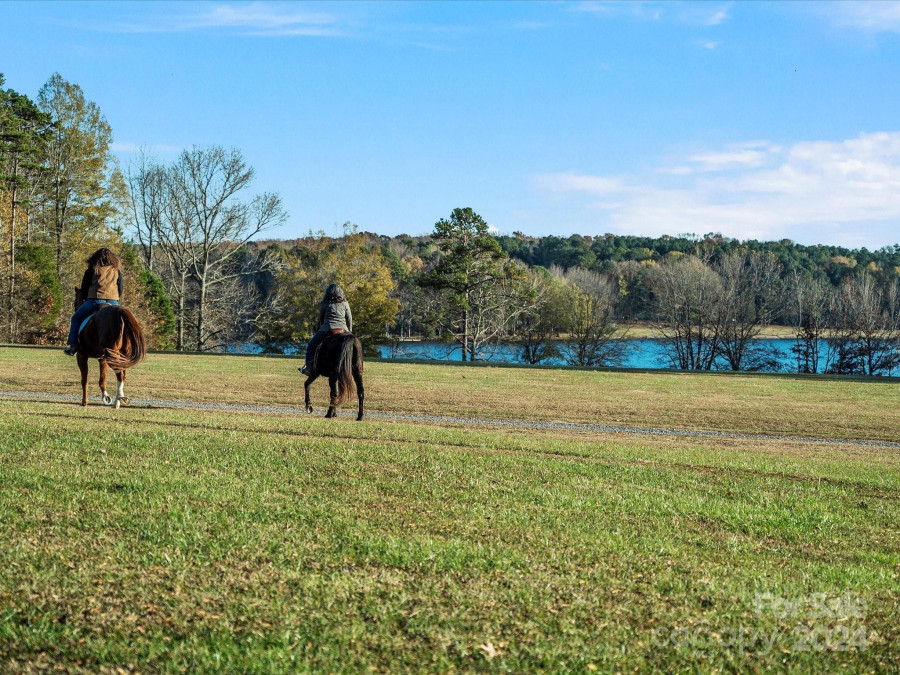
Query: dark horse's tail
350	350
131	346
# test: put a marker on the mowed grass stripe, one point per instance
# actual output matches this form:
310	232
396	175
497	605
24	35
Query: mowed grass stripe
717	455
470	421
788	405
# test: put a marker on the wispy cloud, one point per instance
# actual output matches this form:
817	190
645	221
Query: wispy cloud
845	192
562	183
532	25
719	17
880	17
741	155
696	14
653	11
257	18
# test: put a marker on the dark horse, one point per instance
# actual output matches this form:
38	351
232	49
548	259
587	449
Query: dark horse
340	358
113	337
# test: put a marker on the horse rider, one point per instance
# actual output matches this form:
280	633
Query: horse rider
102	283
334	316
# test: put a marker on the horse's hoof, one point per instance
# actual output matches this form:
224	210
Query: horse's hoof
359	418
84	404
107	399
117	404
125	400
309	409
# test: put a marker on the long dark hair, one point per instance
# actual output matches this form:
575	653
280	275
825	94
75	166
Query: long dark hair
333	294
103	257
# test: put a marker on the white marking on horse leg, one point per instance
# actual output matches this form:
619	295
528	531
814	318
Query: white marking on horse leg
120	391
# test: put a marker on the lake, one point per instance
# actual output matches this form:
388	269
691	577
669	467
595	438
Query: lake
637	353
643	353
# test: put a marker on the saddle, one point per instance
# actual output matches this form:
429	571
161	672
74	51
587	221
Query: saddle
331	334
87	320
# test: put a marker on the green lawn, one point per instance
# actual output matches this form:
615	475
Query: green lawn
191	541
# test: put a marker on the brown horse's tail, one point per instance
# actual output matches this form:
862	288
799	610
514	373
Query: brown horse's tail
132	345
346	386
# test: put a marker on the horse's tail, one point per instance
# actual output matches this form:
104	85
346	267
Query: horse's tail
346	387
132	345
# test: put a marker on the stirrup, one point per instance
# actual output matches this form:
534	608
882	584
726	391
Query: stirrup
304	370
70	350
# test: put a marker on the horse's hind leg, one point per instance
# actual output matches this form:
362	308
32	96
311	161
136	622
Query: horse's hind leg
360	392
107	399
121	399
83	367
332	385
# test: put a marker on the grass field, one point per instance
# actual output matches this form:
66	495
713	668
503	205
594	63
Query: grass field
164	540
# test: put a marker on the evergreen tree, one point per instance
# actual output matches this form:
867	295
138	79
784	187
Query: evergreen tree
471	260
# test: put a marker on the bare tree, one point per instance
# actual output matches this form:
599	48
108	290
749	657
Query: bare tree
149	188
866	332
211	223
687	293
751	298
594	338
177	262
494	309
808	310
539	326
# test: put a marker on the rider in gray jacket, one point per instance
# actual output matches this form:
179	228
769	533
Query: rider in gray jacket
334	314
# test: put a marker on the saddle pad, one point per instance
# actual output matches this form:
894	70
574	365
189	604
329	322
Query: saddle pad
91	316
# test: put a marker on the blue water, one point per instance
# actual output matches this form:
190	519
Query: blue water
644	353
636	353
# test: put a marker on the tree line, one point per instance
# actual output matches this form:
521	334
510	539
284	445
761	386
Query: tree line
201	276
62	196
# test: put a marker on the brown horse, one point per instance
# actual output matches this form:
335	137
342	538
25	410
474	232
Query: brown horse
113	337
340	358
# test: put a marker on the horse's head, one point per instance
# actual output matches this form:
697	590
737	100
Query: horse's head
79	297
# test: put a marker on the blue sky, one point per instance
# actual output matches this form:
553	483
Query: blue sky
753	119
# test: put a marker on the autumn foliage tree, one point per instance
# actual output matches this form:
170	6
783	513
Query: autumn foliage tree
359	267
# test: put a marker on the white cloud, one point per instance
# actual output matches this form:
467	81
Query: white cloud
561	183
719	17
747	155
693	14
711	44
881	17
532	25
257	18
845	192
262	16
643	10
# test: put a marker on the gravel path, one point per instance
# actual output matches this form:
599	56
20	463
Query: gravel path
480	421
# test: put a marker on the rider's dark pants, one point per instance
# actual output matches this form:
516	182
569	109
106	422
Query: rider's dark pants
314	342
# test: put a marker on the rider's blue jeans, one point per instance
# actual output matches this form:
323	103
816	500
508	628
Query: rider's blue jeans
84	311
